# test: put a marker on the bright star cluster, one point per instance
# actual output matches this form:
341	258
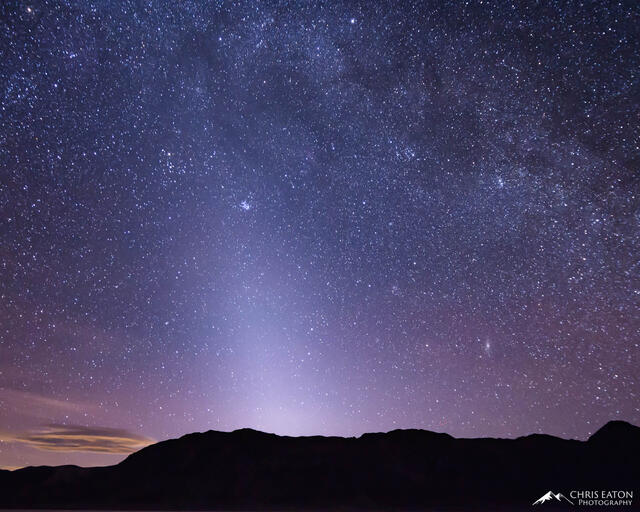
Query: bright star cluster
315	218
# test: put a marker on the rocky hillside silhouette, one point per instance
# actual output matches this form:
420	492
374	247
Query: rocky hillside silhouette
410	469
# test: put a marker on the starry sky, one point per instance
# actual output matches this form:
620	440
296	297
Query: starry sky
315	218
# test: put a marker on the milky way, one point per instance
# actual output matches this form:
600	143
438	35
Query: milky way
315	218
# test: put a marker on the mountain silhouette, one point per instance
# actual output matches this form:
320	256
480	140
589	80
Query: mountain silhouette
551	496
401	469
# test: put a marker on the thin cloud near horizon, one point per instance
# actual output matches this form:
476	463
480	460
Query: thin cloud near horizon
79	438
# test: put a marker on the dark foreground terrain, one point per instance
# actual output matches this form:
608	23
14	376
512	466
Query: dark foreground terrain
409	469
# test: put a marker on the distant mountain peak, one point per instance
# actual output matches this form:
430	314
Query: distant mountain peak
615	430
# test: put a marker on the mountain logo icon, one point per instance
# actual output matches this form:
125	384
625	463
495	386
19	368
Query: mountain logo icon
550	495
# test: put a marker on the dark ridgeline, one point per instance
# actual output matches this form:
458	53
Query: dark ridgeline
409	469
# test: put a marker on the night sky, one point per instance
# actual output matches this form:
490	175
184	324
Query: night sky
315	218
